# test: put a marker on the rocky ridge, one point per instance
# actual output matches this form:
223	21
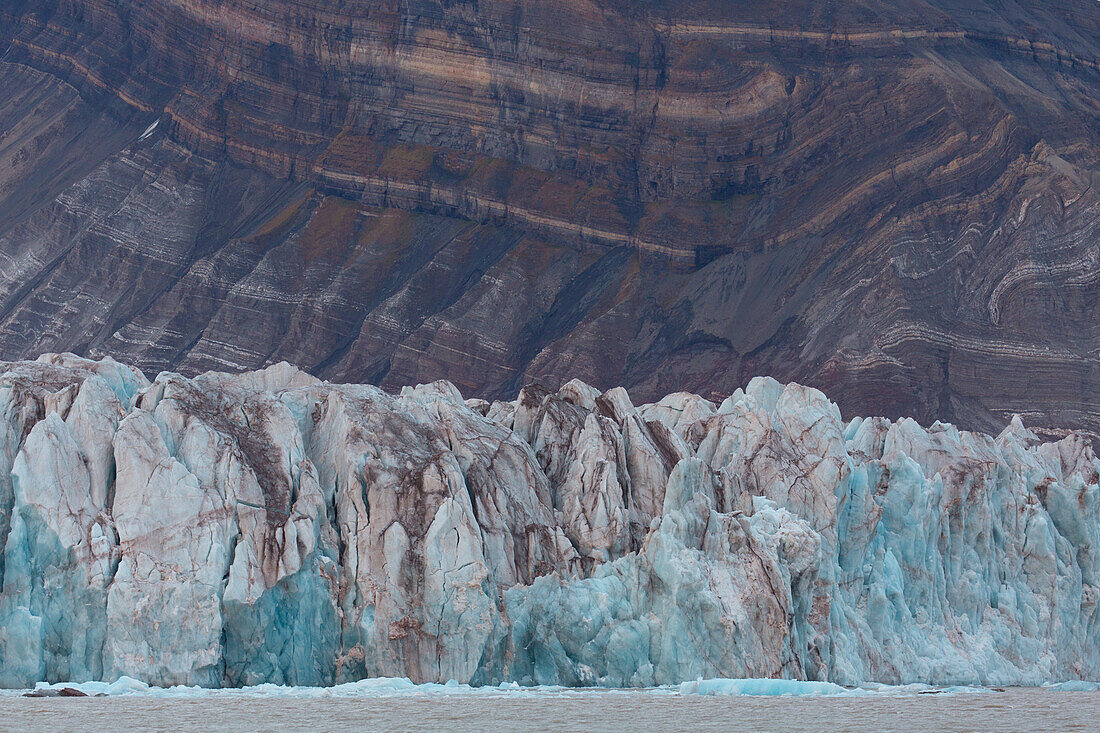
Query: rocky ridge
233	529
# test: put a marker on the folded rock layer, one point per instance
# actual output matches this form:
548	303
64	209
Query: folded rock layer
228	530
893	201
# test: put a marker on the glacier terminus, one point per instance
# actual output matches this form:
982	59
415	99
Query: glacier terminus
228	530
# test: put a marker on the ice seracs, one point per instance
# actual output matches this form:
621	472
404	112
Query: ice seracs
229	530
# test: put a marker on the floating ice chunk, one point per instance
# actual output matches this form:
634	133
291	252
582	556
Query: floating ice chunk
762	687
1074	686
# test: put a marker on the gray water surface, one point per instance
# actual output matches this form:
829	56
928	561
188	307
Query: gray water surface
1016	709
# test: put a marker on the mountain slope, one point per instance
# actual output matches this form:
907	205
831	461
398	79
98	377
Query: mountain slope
895	202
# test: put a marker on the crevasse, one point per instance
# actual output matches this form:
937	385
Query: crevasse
268	527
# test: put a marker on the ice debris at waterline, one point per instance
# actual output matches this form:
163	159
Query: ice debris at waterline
267	527
374	687
370	687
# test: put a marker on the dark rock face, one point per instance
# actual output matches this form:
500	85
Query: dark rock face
896	202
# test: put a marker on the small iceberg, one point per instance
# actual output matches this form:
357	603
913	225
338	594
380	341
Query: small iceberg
1073	686
763	687
121	686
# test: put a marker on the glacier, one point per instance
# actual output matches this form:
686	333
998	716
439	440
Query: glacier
268	528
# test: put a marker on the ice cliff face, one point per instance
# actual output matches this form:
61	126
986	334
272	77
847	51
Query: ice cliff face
267	526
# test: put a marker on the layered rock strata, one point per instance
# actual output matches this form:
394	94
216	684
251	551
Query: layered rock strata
895	202
228	530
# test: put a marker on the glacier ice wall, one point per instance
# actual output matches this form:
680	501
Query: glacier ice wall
268	527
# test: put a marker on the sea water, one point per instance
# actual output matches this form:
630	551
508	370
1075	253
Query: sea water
727	705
